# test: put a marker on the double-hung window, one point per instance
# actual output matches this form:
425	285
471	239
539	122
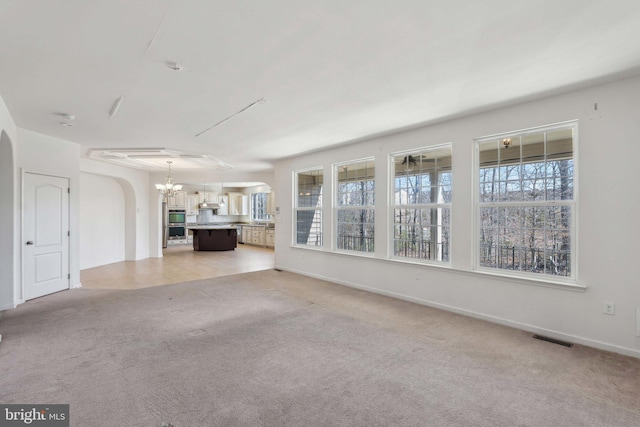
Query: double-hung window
525	202
308	207
422	204
259	207
355	206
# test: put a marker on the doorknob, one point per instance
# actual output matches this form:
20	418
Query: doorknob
30	242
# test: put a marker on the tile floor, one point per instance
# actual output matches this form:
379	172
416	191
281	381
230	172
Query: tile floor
179	264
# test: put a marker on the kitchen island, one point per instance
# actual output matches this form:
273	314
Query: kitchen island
214	237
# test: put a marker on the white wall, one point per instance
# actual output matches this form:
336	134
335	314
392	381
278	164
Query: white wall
102	221
135	186
608	233
42	154
9	227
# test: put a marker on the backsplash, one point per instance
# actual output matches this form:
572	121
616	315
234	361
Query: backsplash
207	216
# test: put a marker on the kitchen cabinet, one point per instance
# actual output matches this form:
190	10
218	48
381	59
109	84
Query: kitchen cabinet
246	234
238	204
179	201
210	196
244	205
257	236
193	200
254	235
269	236
271	204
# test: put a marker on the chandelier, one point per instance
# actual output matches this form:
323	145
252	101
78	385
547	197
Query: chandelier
168	189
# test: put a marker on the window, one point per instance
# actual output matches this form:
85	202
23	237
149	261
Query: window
355	206
259	207
526	207
422	204
308	207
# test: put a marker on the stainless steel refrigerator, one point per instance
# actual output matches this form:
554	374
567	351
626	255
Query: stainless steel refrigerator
165	225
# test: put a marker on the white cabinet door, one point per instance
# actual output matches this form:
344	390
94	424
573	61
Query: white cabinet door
209	196
192	204
181	199
244	205
257	236
246	234
178	201
271	203
233	204
238	204
270	238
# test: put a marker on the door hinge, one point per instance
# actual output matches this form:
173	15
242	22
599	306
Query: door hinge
69	276
69	233
69	190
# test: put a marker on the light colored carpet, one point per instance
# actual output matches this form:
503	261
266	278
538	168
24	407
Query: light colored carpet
273	348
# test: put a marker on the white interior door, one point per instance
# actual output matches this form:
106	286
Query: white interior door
45	235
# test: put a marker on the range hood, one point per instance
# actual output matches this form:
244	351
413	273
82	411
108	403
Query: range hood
211	205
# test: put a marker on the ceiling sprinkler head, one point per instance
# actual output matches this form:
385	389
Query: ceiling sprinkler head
67	124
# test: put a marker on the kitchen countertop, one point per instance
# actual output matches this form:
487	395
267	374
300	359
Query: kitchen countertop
211	227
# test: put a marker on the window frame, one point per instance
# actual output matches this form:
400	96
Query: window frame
392	206
573	204
297	208
335	207
252	207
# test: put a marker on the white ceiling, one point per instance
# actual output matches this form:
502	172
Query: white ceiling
327	72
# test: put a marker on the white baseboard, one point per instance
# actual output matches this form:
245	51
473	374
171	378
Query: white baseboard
493	319
7	307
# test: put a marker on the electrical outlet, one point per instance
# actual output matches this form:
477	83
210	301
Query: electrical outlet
609	308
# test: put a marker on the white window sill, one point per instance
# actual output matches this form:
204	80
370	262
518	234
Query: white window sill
545	281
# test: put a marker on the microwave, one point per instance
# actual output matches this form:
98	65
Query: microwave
177	217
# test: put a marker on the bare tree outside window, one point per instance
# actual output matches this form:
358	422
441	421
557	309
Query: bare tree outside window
526	202
355	202
259	207
422	204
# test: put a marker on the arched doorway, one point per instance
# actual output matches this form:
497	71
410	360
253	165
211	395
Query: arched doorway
107	220
7	224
